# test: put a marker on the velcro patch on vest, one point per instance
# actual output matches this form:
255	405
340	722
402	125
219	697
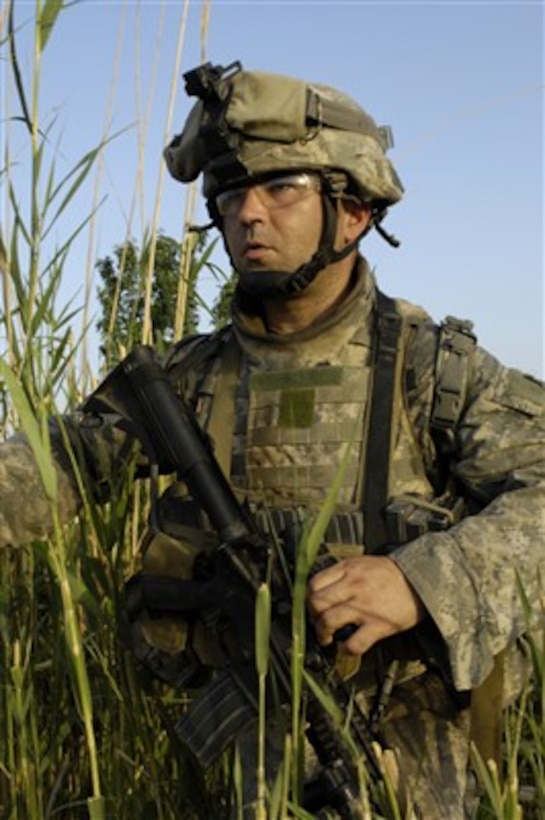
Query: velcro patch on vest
295	379
297	390
296	408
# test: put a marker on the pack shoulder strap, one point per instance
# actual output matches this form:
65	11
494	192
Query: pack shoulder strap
455	344
452	368
380	421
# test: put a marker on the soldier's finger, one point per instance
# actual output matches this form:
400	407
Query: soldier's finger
323	599
362	639
334	618
326	577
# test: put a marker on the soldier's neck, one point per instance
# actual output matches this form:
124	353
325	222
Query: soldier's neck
315	303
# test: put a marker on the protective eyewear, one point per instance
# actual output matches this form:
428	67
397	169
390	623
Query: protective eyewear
275	192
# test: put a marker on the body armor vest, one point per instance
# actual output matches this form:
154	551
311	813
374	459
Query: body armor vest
286	418
285	413
302	410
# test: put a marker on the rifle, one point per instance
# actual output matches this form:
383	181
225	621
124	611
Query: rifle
138	394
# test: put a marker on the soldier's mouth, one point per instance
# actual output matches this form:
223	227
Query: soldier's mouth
254	250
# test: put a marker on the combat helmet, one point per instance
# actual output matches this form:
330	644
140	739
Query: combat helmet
246	125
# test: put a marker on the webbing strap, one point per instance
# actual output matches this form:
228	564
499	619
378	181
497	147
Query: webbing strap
456	343
379	433
337	115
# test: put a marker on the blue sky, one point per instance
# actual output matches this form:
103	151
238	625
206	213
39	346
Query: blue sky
460	83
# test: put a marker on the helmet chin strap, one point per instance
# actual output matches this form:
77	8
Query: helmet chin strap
272	284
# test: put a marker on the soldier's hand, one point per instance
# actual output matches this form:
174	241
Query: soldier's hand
368	591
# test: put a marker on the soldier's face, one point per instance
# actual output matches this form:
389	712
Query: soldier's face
282	238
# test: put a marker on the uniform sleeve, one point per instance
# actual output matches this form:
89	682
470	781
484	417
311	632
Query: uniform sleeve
86	460
90	456
469	578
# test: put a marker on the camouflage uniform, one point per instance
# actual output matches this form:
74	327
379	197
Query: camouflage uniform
298	399
467	576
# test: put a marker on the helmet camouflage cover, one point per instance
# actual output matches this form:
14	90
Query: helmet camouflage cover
246	124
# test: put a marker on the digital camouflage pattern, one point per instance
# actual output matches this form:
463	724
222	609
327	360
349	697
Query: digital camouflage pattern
105	460
467	576
276	123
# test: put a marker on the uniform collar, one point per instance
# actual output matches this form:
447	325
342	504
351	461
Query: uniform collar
354	312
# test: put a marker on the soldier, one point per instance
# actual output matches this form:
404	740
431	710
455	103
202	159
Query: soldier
438	514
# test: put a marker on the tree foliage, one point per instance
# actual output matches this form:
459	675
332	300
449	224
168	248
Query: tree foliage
221	309
122	294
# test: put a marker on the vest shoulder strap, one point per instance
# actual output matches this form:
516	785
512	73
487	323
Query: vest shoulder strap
220	423
193	350
205	370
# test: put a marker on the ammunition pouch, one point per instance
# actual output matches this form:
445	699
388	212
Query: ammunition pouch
170	637
166	635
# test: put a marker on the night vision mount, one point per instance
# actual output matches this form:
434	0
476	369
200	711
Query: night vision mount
209	83
206	80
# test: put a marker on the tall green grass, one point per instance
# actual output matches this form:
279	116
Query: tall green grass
84	733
